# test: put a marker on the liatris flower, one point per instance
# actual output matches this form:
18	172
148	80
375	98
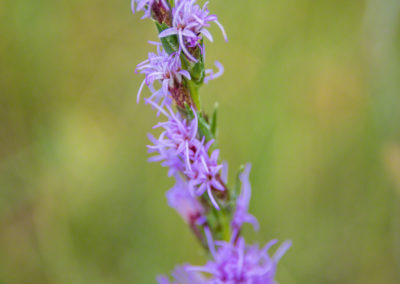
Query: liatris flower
176	142
233	263
190	23
187	147
165	69
205	173
179	148
240	263
241	214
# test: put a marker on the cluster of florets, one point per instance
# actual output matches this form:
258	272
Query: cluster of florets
164	69
191	158
179	148
190	23
232	263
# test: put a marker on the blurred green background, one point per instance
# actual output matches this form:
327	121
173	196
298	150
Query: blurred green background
310	96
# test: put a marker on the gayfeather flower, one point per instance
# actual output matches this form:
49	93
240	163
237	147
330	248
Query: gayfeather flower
236	263
241	214
186	146
204	174
190	23
175	141
179	148
165	155
180	198
163	68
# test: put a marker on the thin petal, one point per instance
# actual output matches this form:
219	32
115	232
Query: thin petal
140	90
185	51
168	32
223	30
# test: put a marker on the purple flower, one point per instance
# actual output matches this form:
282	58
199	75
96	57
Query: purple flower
204	174
241	214
174	146
240	263
179	149
163	68
190	23
190	158
146	5
166	156
180	198
182	275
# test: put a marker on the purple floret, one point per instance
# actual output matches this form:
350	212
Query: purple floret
204	174
179	149
174	145
241	263
190	23
163	68
234	263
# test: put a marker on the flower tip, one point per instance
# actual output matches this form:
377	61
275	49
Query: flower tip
282	250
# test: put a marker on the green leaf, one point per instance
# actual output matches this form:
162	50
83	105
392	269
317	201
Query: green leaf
204	128
213	123
194	93
170	43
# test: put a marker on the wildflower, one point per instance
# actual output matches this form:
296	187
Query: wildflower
163	68
240	263
241	214
204	174
184	146
190	23
180	150
176	141
165	156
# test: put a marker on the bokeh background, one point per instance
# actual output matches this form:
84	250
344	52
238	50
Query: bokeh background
310	96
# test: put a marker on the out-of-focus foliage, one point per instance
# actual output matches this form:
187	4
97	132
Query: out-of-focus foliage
310	96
